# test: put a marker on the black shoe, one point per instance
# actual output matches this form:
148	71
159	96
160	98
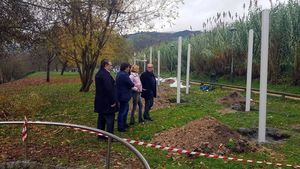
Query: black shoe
131	123
141	121
149	119
121	130
127	126
105	139
102	138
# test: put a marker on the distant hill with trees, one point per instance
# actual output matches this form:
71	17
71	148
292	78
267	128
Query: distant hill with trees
143	40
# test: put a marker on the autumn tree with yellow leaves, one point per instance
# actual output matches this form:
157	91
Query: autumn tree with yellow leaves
88	25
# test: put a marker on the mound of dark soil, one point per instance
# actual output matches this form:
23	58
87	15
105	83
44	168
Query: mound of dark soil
234	100
205	135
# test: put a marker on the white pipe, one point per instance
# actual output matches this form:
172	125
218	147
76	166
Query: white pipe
188	69
263	76
134	58
144	63
158	67
179	68
249	70
151	55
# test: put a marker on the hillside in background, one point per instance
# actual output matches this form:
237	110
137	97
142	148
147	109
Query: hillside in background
142	40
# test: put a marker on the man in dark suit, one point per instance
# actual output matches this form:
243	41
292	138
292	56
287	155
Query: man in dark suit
149	90
124	94
105	99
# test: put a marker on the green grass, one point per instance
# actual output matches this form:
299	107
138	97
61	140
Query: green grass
66	104
53	74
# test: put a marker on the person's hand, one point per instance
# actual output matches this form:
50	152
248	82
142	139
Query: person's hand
113	105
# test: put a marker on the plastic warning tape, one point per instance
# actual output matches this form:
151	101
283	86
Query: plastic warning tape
24	129
194	153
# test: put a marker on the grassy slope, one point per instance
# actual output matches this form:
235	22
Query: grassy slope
66	104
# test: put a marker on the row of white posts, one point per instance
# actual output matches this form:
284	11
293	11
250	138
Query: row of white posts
178	67
263	73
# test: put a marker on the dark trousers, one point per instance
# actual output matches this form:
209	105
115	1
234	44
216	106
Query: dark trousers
122	116
108	120
137	101
148	106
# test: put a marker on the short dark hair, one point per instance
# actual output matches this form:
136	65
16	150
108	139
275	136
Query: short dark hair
104	62
124	66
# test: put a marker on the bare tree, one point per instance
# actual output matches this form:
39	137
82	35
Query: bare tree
15	33
86	25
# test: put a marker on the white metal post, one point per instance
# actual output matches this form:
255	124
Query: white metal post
151	49
188	69
145	62
263	75
179	68
134	58
158	67
249	70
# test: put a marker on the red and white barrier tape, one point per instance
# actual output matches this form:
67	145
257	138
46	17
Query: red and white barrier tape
186	152
24	129
214	156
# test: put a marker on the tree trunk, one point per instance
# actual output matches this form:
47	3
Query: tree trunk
48	70
1	78
296	74
86	76
64	67
49	61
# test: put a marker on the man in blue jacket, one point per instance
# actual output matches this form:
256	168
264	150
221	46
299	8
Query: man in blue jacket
105	99
149	90
124	94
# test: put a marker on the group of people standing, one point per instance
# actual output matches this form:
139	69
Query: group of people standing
114	95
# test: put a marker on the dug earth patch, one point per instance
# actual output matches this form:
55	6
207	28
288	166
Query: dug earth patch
272	134
206	135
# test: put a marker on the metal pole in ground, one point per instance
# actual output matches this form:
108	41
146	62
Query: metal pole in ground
134	58
188	69
145	62
179	68
158	67
26	145
263	76
232	30
249	70
25	137
107	161
151	50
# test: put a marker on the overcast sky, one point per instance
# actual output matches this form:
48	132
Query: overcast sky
195	12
